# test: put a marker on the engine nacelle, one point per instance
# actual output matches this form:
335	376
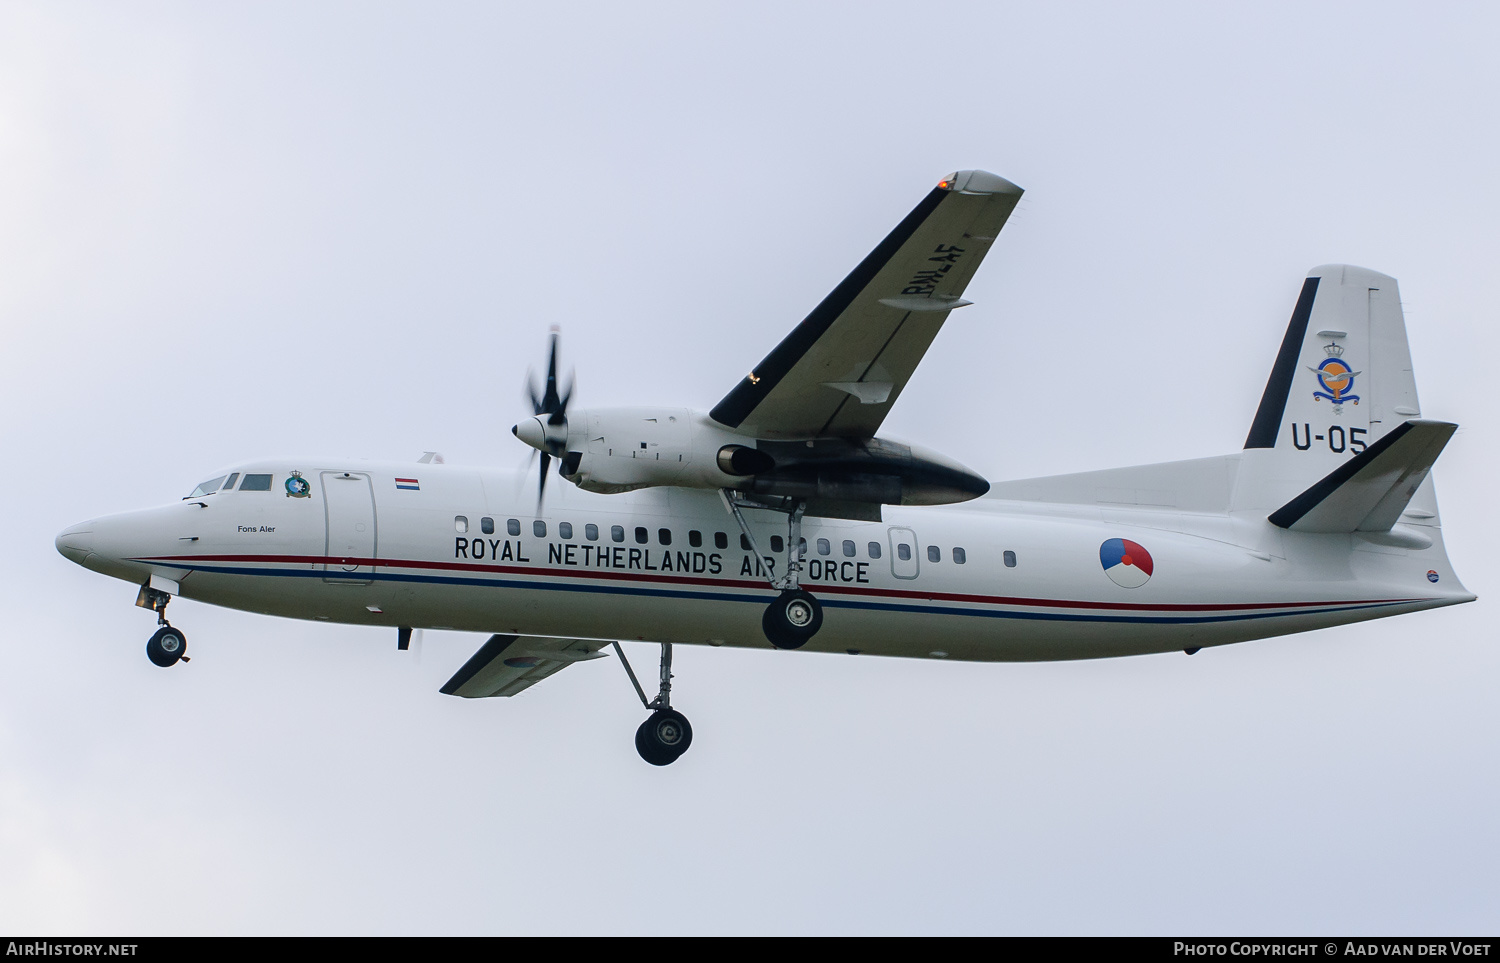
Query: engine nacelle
613	450
873	471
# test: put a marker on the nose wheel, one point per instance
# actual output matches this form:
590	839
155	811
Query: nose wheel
167	647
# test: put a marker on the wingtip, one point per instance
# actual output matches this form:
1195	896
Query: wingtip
978	182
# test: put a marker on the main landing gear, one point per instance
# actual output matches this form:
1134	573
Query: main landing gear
796	615
169	645
665	734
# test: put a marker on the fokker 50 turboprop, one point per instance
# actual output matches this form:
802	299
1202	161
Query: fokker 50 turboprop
781	518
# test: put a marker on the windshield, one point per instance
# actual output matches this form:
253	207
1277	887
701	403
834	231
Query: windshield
208	487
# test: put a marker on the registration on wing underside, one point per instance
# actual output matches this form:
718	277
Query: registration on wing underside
874	328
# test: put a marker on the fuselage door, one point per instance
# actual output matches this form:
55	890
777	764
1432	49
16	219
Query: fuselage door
349	502
903	553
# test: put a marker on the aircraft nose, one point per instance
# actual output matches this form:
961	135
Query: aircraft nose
76	542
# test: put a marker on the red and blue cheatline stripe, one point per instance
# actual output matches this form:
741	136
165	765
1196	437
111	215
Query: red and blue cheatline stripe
637	583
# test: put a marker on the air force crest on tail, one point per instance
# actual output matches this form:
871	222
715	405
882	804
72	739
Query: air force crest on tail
1127	563
1336	378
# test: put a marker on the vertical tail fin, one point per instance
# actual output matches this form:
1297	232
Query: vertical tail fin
1342	381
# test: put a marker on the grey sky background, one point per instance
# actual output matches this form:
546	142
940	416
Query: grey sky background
344	228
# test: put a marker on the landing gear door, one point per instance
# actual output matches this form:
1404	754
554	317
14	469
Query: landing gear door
903	553
349	502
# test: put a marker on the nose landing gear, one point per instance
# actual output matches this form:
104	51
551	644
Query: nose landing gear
169	645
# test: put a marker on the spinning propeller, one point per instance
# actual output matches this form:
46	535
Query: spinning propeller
548	431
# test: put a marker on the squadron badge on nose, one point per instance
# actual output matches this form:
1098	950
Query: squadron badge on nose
297	486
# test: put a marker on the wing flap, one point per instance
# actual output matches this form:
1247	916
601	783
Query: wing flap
1369	492
878	323
506	664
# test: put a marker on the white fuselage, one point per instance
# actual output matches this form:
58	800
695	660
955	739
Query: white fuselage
363	548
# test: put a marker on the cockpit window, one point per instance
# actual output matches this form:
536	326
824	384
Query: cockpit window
232	479
208	487
256	483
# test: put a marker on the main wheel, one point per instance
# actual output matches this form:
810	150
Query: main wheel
166	646
792	619
663	737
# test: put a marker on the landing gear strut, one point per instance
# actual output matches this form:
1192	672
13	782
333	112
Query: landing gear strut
665	734
169	645
796	615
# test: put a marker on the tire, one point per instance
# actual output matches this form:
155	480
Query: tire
792	619
665	735
166	646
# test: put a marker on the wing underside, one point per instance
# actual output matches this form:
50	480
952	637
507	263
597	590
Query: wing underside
839	371
506	664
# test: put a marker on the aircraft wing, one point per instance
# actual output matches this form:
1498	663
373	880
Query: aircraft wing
841	369
506	664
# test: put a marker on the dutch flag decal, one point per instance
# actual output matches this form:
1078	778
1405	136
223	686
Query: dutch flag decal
408	485
1127	563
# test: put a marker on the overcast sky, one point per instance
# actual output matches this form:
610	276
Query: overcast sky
232	231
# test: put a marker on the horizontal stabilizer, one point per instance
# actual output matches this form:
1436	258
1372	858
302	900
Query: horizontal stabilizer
506	664
1369	492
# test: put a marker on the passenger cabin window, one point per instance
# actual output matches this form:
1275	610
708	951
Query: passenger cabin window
617	533
744	542
903	552
641	535
721	540
695	539
564	529
208	487
874	548
959	556
539	528
848	548
487	525
801	547
460	524
591	532
934	554
664	535
256	483
777	544
513	526
1010	559
824	548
